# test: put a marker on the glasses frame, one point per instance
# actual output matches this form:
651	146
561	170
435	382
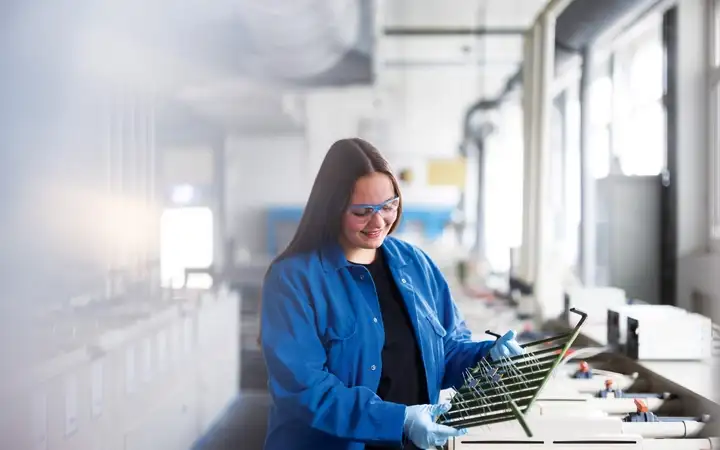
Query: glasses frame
374	209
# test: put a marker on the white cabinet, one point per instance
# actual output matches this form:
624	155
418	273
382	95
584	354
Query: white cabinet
157	384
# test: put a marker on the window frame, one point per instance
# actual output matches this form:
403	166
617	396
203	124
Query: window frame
713	108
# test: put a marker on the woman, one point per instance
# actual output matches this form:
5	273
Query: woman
358	330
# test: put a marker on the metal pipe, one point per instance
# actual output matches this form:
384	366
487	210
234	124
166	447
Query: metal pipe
680	444
669	186
452	31
219	185
480	218
663	430
529	86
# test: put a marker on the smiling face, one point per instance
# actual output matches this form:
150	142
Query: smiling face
372	212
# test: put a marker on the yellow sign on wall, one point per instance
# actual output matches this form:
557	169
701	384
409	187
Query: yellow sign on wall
446	172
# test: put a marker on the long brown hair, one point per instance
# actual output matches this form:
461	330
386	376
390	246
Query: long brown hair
346	161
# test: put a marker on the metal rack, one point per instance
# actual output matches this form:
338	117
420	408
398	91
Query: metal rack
500	391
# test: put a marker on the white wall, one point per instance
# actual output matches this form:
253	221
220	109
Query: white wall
333	114
263	171
406	121
429	107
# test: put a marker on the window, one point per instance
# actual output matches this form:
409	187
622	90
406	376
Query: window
186	241
646	72
645	144
601	100
639	124
503	189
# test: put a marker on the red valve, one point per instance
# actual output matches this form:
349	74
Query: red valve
641	406
567	353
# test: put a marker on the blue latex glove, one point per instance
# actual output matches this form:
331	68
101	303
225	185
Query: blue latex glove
420	426
505	347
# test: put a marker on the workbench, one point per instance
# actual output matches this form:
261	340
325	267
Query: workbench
697	377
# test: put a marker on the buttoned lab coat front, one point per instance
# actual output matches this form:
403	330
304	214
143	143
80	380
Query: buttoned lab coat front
322	337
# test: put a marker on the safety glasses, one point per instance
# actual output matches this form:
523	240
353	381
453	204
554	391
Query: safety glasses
363	212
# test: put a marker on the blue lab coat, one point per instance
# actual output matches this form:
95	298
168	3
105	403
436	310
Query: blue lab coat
322	337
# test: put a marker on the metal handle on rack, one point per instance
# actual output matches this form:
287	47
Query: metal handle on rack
583	316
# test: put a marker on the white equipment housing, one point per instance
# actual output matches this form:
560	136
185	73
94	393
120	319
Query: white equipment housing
669	337
617	319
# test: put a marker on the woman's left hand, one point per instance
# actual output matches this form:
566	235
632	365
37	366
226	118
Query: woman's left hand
505	347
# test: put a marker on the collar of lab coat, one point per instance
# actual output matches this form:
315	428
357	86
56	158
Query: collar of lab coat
333	258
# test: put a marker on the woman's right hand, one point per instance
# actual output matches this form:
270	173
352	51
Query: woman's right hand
420	426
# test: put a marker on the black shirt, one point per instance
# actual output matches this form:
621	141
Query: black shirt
402	379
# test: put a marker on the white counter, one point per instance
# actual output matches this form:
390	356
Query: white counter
695	376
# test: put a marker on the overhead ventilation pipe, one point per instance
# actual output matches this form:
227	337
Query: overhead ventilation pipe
298	38
476	129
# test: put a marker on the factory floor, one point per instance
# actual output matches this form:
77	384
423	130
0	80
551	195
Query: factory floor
243	425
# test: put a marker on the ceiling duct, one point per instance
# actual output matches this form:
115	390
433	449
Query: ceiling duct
583	21
295	39
297	42
294	42
354	66
474	129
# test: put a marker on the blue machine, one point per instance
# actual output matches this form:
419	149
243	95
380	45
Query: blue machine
432	219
